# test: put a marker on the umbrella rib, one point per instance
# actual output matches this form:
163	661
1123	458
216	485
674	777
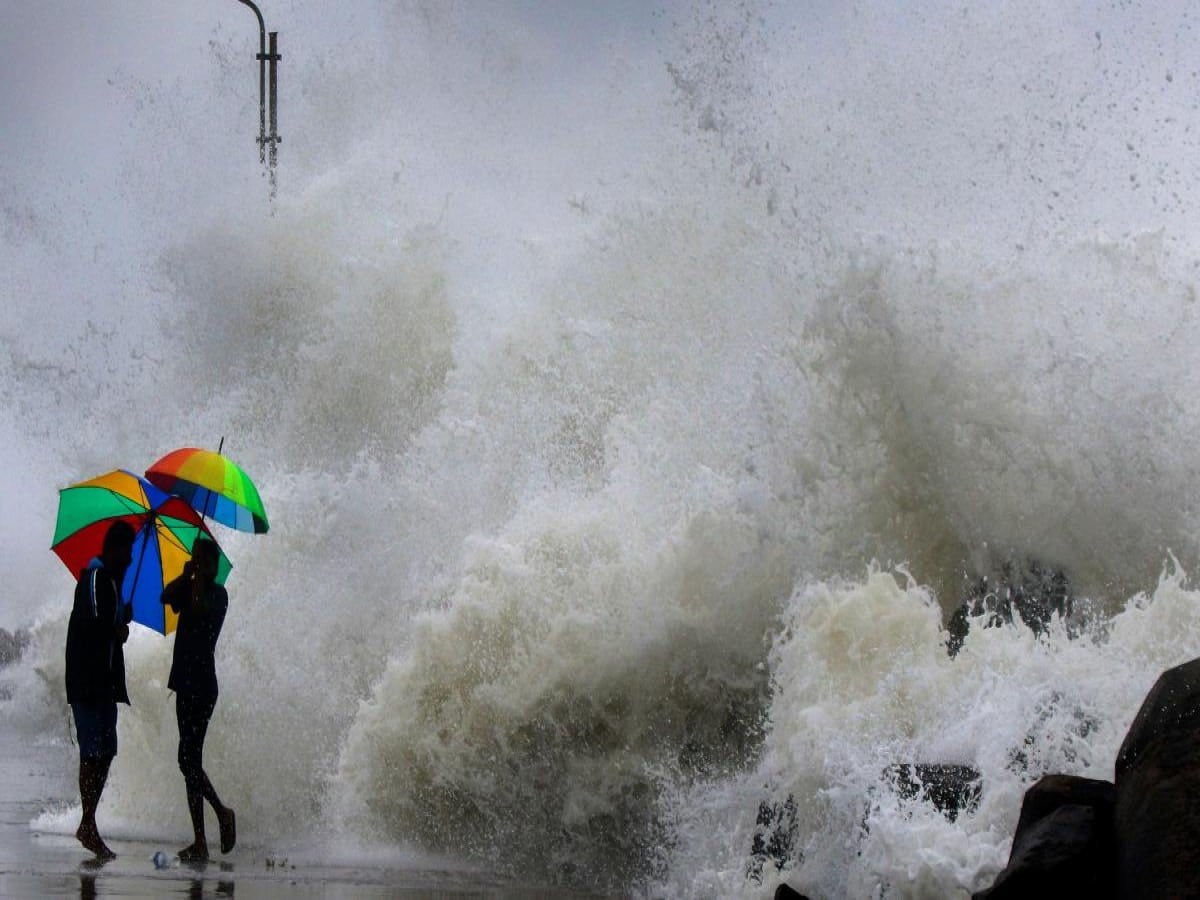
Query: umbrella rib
165	531
132	505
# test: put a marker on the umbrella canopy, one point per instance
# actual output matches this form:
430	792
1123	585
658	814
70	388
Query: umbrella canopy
166	528
214	485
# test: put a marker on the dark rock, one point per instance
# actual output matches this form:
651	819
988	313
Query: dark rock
952	789
1138	838
1053	791
1172	705
1157	819
1033	591
1067	854
774	837
1064	845
783	892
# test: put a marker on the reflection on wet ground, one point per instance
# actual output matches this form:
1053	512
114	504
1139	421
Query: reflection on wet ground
195	889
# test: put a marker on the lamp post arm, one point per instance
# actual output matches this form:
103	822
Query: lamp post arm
262	28
262	82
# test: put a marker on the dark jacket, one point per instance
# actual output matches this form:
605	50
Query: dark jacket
95	659
193	669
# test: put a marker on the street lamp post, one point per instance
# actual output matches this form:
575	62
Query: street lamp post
267	143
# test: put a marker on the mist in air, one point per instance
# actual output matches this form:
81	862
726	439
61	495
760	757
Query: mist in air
633	391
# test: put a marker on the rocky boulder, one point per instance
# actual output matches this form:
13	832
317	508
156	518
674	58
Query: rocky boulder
1028	588
950	788
1136	838
1063	846
1157	817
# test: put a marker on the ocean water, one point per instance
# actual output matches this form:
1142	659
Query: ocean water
634	393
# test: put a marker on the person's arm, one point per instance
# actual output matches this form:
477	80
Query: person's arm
92	631
104	617
126	611
113	614
178	592
88	640
124	617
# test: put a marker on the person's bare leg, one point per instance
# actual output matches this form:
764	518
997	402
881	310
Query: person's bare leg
226	820
208	792
197	851
93	773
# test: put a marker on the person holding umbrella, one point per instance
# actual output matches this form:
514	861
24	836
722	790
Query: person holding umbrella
201	604
95	672
216	488
139	534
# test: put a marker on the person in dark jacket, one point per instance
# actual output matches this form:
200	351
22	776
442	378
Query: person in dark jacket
201	604
96	631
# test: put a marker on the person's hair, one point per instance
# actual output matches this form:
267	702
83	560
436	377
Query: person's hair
119	535
206	549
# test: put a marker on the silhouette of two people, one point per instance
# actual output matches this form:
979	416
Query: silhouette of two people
95	679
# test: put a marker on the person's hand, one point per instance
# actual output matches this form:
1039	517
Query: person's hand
122	633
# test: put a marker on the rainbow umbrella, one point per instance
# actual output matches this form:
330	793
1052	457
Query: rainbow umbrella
166	528
214	485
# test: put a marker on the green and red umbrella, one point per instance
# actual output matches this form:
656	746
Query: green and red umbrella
214	486
166	529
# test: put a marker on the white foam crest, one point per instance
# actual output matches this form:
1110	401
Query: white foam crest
578	654
862	681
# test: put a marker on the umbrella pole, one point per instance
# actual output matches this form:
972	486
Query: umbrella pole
212	497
